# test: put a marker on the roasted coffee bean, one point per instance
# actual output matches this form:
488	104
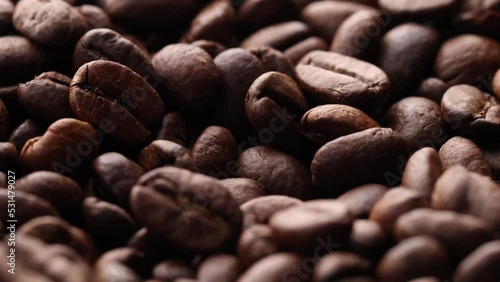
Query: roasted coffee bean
174	128
188	76
25	131
256	242
274	98
9	158
422	171
471	112
61	192
165	153
420	10
120	264
368	239
479	17
255	14
459	151
215	22
360	33
4	121
432	88
170	270
341	265
3	184
273	60
481	265
325	123
260	210
178	205
274	268
324	220
51	23
222	267
115	99
461	234
479	57
418	121
425	279
211	47
277	172
336	165
46	97
279	36
413	258
95	17
6	11
114	177
360	201
468	192
496	84
393	204
296	52
492	155
107	44
407	46
243	189
66	147
28	206
53	230
332	78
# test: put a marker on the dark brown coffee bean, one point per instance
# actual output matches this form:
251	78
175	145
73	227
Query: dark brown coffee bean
360	33
413	258
105	92
255	14
3	184
332	78
272	102
114	177
463	152
215	22
25	131
339	165
461	234
28	206
274	268
420	10
407	46
277	172
120	264
95	17
4	121
213	151
296	52
481	265
273	60
178	204
256	242
211	47
278	36
422	171
6	11
174	128
53	230
46	97
496	84
260	210
165	153
325	123
324	17
361	200
170	270
341	265
479	17
189	76
425	279
418	121
66	147
61	192
243	189
368	239
471	112
393	204
49	22
9	158
492	155
479	57
468	192
324	220
432	88
222	267
109	225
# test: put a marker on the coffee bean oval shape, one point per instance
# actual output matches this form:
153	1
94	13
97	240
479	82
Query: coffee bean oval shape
496	84
95	17
341	265
360	201
165	153
279	36
340	164
215	22
243	189
174	128
481	265
105	92
368	239
178	205
129	262
28	206
211	47
273	268
333	78
325	123
173	270
420	10
260	210
296	52
432	88
222	267
255	14
256	242
273	60
463	152
422	171
25	131
49	22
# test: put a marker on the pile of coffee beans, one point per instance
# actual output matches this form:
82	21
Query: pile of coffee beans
249	140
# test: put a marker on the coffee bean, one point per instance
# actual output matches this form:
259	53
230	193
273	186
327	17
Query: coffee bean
492	155
337	164
274	104
274	268
28	206
296	52
25	131
422	171
479	57
4	121
277	172
3	184
496	84
223	268
432	88
481	265
368	239
273	60
120	264
463	152
332	78
471	112
95	17
211	47
413	258
278	36
325	123
51	23
114	177
215	22
360	201
178	204
324	220
6	11
260	210
425	279
420	10
170	270
341	265
164	153
9	157
66	147
256	242
46	97
174	128
255	14
243	189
